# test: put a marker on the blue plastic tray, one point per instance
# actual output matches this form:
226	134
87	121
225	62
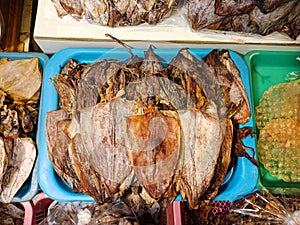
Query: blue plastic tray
30	187
239	182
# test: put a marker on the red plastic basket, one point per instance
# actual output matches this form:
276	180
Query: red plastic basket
36	209
179	214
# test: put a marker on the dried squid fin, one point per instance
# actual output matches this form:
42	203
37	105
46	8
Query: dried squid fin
20	78
19	167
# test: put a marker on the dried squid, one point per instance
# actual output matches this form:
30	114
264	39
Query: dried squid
115	13
19	93
145	132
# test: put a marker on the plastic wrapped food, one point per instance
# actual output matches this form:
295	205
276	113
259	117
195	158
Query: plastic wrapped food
115	13
259	17
264	208
78	213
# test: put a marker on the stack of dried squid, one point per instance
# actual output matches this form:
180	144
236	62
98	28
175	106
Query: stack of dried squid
249	16
145	132
20	82
115	13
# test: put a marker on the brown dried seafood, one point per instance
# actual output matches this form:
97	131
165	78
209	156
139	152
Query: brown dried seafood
19	94
115	12
250	16
11	214
145	132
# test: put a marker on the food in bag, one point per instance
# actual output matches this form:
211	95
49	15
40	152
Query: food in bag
115	13
251	16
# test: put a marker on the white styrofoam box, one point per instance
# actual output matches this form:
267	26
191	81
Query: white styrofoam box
52	33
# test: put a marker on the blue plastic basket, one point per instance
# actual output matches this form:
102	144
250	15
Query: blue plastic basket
239	182
30	188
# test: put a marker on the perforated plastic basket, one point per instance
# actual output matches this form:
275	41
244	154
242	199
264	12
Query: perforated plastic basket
240	181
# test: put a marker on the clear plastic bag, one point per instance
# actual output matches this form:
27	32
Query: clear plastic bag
294	75
114	13
264	208
246	17
78	213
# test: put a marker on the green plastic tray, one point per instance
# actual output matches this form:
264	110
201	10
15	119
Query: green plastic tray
268	68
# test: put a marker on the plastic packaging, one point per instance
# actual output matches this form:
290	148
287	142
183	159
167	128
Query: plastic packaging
116	13
248	16
30	187
77	213
294	75
264	208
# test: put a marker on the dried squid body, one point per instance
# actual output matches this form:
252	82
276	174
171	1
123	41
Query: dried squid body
154	147
22	153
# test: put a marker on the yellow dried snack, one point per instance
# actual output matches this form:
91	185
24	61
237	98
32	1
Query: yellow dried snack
279	148
281	101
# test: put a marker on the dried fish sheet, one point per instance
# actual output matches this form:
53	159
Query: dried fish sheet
21	79
154	146
281	101
19	167
278	148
